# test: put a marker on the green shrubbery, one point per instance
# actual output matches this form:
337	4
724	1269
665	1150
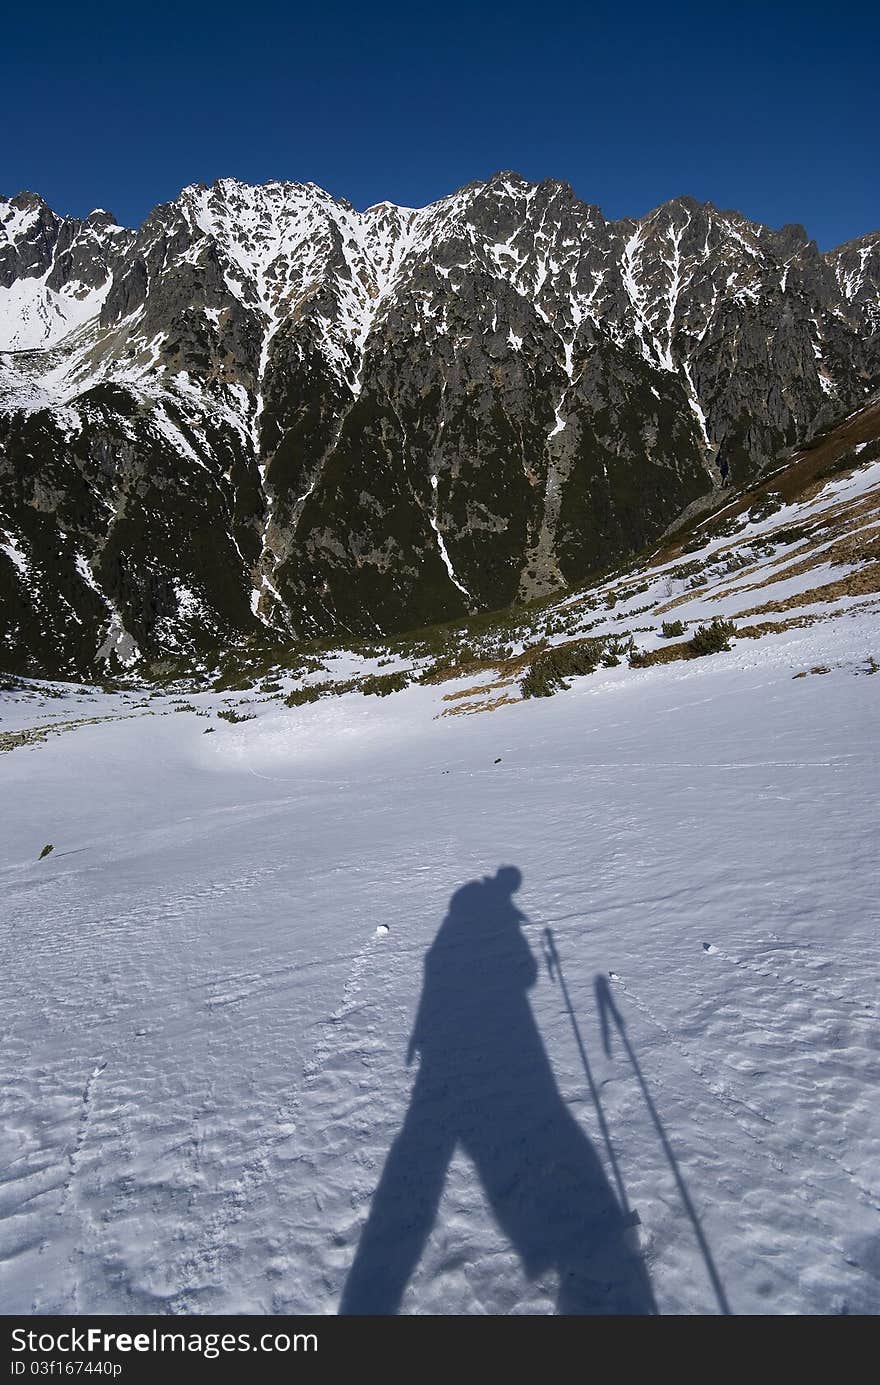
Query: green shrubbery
706	639
615	649
372	685
792	533
673	629
449	664
695	543
714	638
299	696
685	571
381	684
764	506
550	668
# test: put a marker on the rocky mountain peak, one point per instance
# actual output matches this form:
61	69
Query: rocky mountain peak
266	411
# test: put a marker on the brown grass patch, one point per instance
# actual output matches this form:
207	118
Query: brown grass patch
472	668
863	546
666	654
506	669
773	627
479	691
679	600
801	479
859	583
34	735
467	709
860	547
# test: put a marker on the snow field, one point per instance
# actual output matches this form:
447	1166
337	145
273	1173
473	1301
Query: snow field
205	1036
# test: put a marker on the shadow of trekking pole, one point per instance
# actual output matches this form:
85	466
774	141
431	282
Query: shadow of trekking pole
609	1011
554	967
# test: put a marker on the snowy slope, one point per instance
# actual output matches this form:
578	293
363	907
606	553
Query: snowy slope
205	1037
55	272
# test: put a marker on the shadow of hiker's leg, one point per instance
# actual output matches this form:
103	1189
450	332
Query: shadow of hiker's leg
402	1212
606	1276
552	1199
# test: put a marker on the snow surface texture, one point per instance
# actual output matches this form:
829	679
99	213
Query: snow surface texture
206	1029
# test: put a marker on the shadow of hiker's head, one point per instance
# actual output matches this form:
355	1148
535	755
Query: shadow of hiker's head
505	882
485	905
482	903
498	891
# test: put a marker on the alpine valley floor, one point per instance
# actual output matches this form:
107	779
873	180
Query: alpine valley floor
205	1026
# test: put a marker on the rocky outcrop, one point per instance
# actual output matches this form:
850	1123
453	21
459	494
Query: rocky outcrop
264	412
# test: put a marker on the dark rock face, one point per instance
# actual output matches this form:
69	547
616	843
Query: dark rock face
265	411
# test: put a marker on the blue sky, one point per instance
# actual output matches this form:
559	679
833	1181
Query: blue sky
770	108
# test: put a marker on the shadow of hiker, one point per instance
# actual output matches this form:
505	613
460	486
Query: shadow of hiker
485	1083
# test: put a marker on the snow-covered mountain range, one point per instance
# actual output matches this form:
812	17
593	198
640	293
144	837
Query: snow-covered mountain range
266	412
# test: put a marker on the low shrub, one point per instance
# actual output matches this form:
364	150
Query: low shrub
792	533
615	649
765	506
299	696
381	684
673	629
448	665
685	571
714	638
550	668
707	639
734	562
